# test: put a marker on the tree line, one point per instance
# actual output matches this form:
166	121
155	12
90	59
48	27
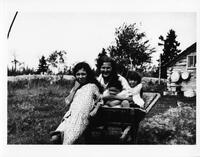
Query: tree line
131	51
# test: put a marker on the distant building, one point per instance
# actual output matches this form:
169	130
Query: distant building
181	73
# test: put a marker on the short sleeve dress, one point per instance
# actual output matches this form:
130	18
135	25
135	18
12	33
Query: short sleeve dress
76	120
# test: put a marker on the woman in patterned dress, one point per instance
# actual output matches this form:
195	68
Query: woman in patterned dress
84	100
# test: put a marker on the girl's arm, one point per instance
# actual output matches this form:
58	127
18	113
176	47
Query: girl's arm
136	90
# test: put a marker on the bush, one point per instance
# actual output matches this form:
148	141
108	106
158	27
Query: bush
175	126
152	85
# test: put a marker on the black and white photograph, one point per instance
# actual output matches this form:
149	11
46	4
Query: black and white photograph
101	78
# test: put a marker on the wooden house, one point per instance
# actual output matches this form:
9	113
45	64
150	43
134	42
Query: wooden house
181	73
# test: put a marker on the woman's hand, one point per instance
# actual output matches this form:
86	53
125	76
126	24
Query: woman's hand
113	91
67	114
67	101
76	85
108	97
94	111
69	98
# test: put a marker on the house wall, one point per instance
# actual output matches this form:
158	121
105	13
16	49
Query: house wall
181	66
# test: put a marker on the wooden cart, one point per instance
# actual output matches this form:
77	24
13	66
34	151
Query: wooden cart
118	125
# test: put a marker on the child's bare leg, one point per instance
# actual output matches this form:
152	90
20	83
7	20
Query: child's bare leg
107	103
125	103
114	103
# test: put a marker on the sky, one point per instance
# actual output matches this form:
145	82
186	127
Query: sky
83	34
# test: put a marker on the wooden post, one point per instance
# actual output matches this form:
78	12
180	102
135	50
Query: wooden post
131	61
159	69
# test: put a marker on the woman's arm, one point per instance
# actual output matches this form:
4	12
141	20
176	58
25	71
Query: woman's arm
70	97
94	111
115	97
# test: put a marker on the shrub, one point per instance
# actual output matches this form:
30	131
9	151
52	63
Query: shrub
152	85
176	126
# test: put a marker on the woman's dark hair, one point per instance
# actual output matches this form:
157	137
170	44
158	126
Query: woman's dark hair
114	78
133	75
90	74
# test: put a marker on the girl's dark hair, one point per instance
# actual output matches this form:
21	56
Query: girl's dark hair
133	75
114	78
90	74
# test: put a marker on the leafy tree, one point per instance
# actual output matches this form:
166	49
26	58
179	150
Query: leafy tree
132	50
43	67
56	57
170	50
56	62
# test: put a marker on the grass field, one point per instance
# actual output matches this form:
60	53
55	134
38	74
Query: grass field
35	111
36	107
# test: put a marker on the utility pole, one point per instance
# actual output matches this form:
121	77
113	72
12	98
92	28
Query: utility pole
15	61
131	62
159	77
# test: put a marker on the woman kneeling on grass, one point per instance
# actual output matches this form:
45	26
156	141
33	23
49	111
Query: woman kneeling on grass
84	100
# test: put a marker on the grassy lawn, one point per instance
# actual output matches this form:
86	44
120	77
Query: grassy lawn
34	112
37	109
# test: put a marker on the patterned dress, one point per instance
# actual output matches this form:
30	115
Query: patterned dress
75	120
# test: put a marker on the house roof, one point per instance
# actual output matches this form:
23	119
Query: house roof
187	51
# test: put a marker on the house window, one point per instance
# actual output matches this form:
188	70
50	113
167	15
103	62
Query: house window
191	61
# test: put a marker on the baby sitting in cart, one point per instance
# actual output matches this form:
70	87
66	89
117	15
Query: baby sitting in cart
131	97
